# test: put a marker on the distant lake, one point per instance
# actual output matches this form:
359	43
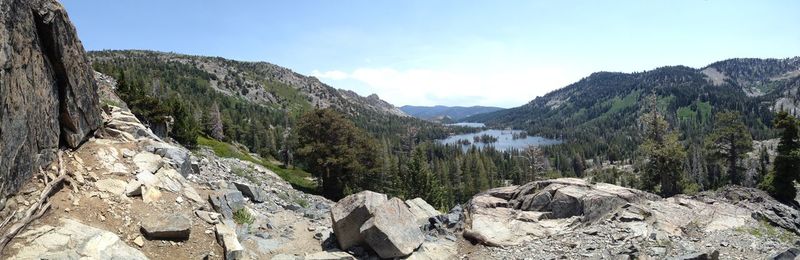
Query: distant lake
505	140
476	125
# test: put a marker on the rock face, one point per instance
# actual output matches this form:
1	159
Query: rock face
392	231
350	213
48	95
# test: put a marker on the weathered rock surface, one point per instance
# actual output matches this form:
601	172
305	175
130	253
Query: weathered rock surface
392	231
421	210
47	88
227	202
167	227
73	240
226	237
254	193
350	213
112	186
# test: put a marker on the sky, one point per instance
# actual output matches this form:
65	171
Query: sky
459	52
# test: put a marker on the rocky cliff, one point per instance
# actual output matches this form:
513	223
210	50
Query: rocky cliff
47	89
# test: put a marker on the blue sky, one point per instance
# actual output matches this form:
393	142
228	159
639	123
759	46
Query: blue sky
426	52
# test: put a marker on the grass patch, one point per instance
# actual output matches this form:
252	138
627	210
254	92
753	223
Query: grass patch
765	229
295	176
247	174
243	216
302	202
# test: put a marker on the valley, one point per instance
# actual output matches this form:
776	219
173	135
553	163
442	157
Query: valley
146	154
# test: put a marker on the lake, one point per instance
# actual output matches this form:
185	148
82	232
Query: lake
505	140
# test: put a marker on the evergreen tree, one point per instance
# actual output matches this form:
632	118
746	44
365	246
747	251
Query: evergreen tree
663	170
730	141
186	127
335	151
423	183
786	168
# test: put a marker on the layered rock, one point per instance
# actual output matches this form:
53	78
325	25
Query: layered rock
48	95
515	215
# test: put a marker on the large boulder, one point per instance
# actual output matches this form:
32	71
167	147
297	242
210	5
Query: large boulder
48	95
350	213
392	231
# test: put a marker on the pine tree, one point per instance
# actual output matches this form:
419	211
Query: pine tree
786	167
336	151
730	141
663	170
424	183
186	128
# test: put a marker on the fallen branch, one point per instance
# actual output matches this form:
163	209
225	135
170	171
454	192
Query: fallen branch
37	209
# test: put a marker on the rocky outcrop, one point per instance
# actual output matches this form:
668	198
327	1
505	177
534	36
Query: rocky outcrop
73	240
48	95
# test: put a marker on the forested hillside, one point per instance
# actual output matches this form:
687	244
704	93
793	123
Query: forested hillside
598	115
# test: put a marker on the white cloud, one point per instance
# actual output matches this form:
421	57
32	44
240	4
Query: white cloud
333	74
491	86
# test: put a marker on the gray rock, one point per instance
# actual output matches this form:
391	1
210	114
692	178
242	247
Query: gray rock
146	161
329	255
167	227
788	254
226	202
112	186
537	202
713	255
255	194
72	240
567	202
350	213
133	188
421	210
226	237
49	95
392	232
208	217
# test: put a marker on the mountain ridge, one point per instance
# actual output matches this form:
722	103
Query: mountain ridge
599	112
439	112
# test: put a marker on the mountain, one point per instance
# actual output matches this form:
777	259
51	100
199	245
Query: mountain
598	115
258	82
439	113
